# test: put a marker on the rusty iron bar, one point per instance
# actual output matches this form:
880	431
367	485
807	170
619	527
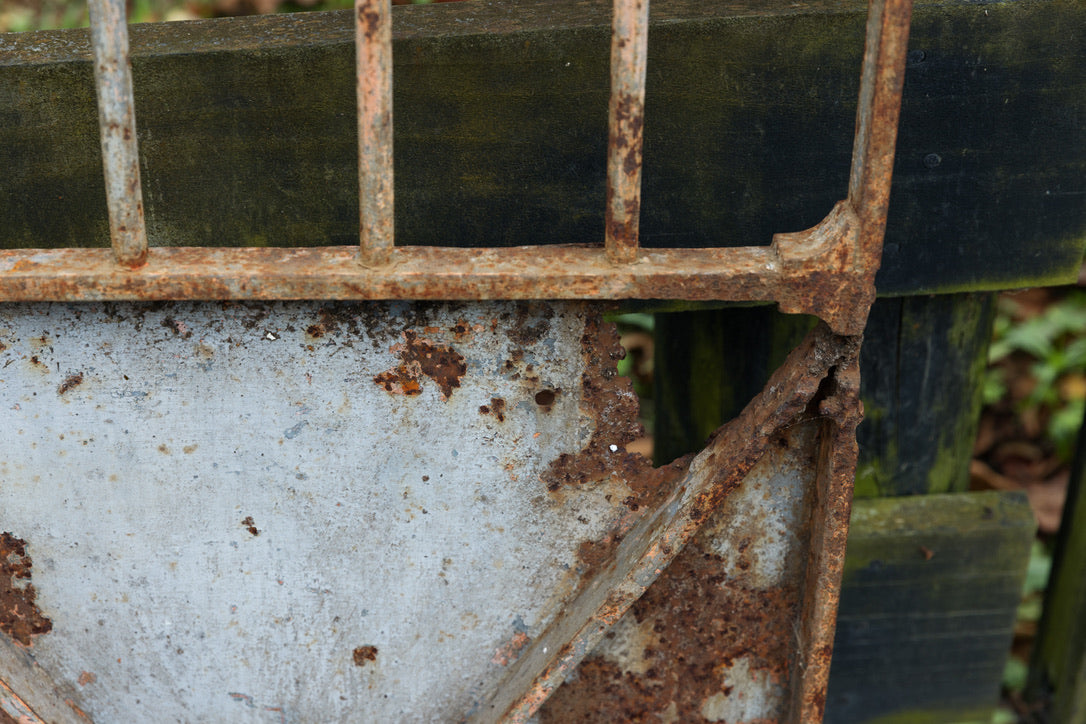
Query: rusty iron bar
552	272
877	114
15	708
117	124
626	115
373	48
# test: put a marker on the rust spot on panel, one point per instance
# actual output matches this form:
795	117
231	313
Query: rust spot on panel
70	382
249	525
87	677
611	404
363	654
443	365
177	327
495	408
698	623
461	329
527	334
399	381
20	617
508	652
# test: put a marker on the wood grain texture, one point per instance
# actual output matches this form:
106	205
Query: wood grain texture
247	132
927	607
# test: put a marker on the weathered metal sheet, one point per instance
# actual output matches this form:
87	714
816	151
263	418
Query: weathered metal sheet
320	511
298	511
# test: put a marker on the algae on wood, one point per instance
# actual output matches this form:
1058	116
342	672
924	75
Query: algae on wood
927	608
921	375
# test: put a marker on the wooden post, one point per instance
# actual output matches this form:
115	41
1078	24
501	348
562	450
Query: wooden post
1058	671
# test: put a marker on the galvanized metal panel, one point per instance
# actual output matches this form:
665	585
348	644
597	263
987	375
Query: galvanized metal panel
295	511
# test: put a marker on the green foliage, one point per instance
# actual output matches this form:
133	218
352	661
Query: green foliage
1056	342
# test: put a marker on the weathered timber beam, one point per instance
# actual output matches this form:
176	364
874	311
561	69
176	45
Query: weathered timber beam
247	132
928	602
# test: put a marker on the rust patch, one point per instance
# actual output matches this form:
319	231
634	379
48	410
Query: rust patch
249	525
363	654
700	622
652	486
177	327
495	408
611	404
508	652
527	334
20	617
87	677
443	365
70	382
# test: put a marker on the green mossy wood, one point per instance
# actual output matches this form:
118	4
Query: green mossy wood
247	131
920	374
927	608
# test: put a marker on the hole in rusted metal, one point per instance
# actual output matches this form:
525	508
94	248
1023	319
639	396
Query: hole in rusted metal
545	398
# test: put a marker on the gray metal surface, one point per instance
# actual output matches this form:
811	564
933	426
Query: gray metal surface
233	513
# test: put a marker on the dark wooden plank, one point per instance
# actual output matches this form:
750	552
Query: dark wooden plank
922	372
921	367
247	131
927	608
709	364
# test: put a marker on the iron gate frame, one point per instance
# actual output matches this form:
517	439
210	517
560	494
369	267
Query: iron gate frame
827	271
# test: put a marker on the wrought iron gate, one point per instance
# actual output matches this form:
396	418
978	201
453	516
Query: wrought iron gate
242	506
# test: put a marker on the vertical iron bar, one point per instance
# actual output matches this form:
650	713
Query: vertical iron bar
373	44
879	108
117	123
629	56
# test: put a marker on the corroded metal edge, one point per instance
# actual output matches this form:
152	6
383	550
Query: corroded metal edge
14	708
431	273
658	537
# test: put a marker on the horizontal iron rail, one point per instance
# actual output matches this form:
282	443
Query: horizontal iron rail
787	272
